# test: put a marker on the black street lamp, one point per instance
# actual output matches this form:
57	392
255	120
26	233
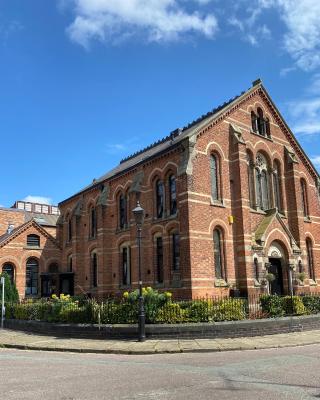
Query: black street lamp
138	213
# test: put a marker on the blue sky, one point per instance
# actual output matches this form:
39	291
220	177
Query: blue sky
84	83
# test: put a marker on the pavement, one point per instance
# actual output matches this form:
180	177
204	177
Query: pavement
29	341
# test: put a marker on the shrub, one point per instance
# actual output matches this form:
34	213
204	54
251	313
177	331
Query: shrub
272	305
198	311
170	313
229	310
294	305
311	303
10	290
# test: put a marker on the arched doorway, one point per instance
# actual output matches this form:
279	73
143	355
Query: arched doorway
32	271
277	268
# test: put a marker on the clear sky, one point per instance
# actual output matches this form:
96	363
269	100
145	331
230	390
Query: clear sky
84	83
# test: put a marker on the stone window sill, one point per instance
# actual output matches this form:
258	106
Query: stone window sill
220	283
217	203
307	220
261	136
312	282
257	211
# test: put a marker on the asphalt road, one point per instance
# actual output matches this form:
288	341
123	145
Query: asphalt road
290	373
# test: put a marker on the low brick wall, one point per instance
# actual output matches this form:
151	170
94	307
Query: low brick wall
196	330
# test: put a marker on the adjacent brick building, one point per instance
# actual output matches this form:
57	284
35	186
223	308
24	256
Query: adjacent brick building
229	200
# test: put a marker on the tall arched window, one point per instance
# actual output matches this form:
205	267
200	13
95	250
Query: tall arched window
93	222
32	271
304	198
126	265
159	259
261	123
277	192
94	261
173	194
310	259
254	122
69	263
250	171
267	123
215	177
122	211
218	254
262	183
175	251
8	268
69	229
160	199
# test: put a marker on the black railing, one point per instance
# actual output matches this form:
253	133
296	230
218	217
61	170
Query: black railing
160	310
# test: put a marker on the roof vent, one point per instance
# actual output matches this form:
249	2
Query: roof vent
10	228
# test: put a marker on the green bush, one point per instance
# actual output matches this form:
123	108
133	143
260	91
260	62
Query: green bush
229	310
272	305
294	305
170	313
311	303
10	290
198	311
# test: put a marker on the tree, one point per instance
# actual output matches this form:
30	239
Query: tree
10	290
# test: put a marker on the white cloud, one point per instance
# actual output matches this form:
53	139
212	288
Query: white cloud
154	20
38	199
302	20
116	148
316	161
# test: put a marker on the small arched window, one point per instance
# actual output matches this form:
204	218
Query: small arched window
267	123
173	194
33	240
93	222
175	251
94	261
160	199
310	259
32	271
8	268
215	178
256	268
277	191
218	254
122	211
262	183
254	121
304	198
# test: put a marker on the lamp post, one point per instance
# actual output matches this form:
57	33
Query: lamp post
138	213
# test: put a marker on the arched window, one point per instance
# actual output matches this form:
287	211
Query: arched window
267	123
94	261
160	199
310	259
175	252
32	271
93	222
69	229
33	240
218	254
69	263
277	192
173	194
250	171
304	198
126	265
8	268
122	211
159	259
256	268
262	183
261	123
215	178
254	122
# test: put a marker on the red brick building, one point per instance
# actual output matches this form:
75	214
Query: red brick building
29	252
228	199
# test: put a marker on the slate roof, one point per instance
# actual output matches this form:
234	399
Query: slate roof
161	145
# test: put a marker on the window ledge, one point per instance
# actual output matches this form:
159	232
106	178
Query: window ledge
256	283
33	248
217	203
261	136
166	218
307	220
312	282
159	285
254	211
221	283
124	229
